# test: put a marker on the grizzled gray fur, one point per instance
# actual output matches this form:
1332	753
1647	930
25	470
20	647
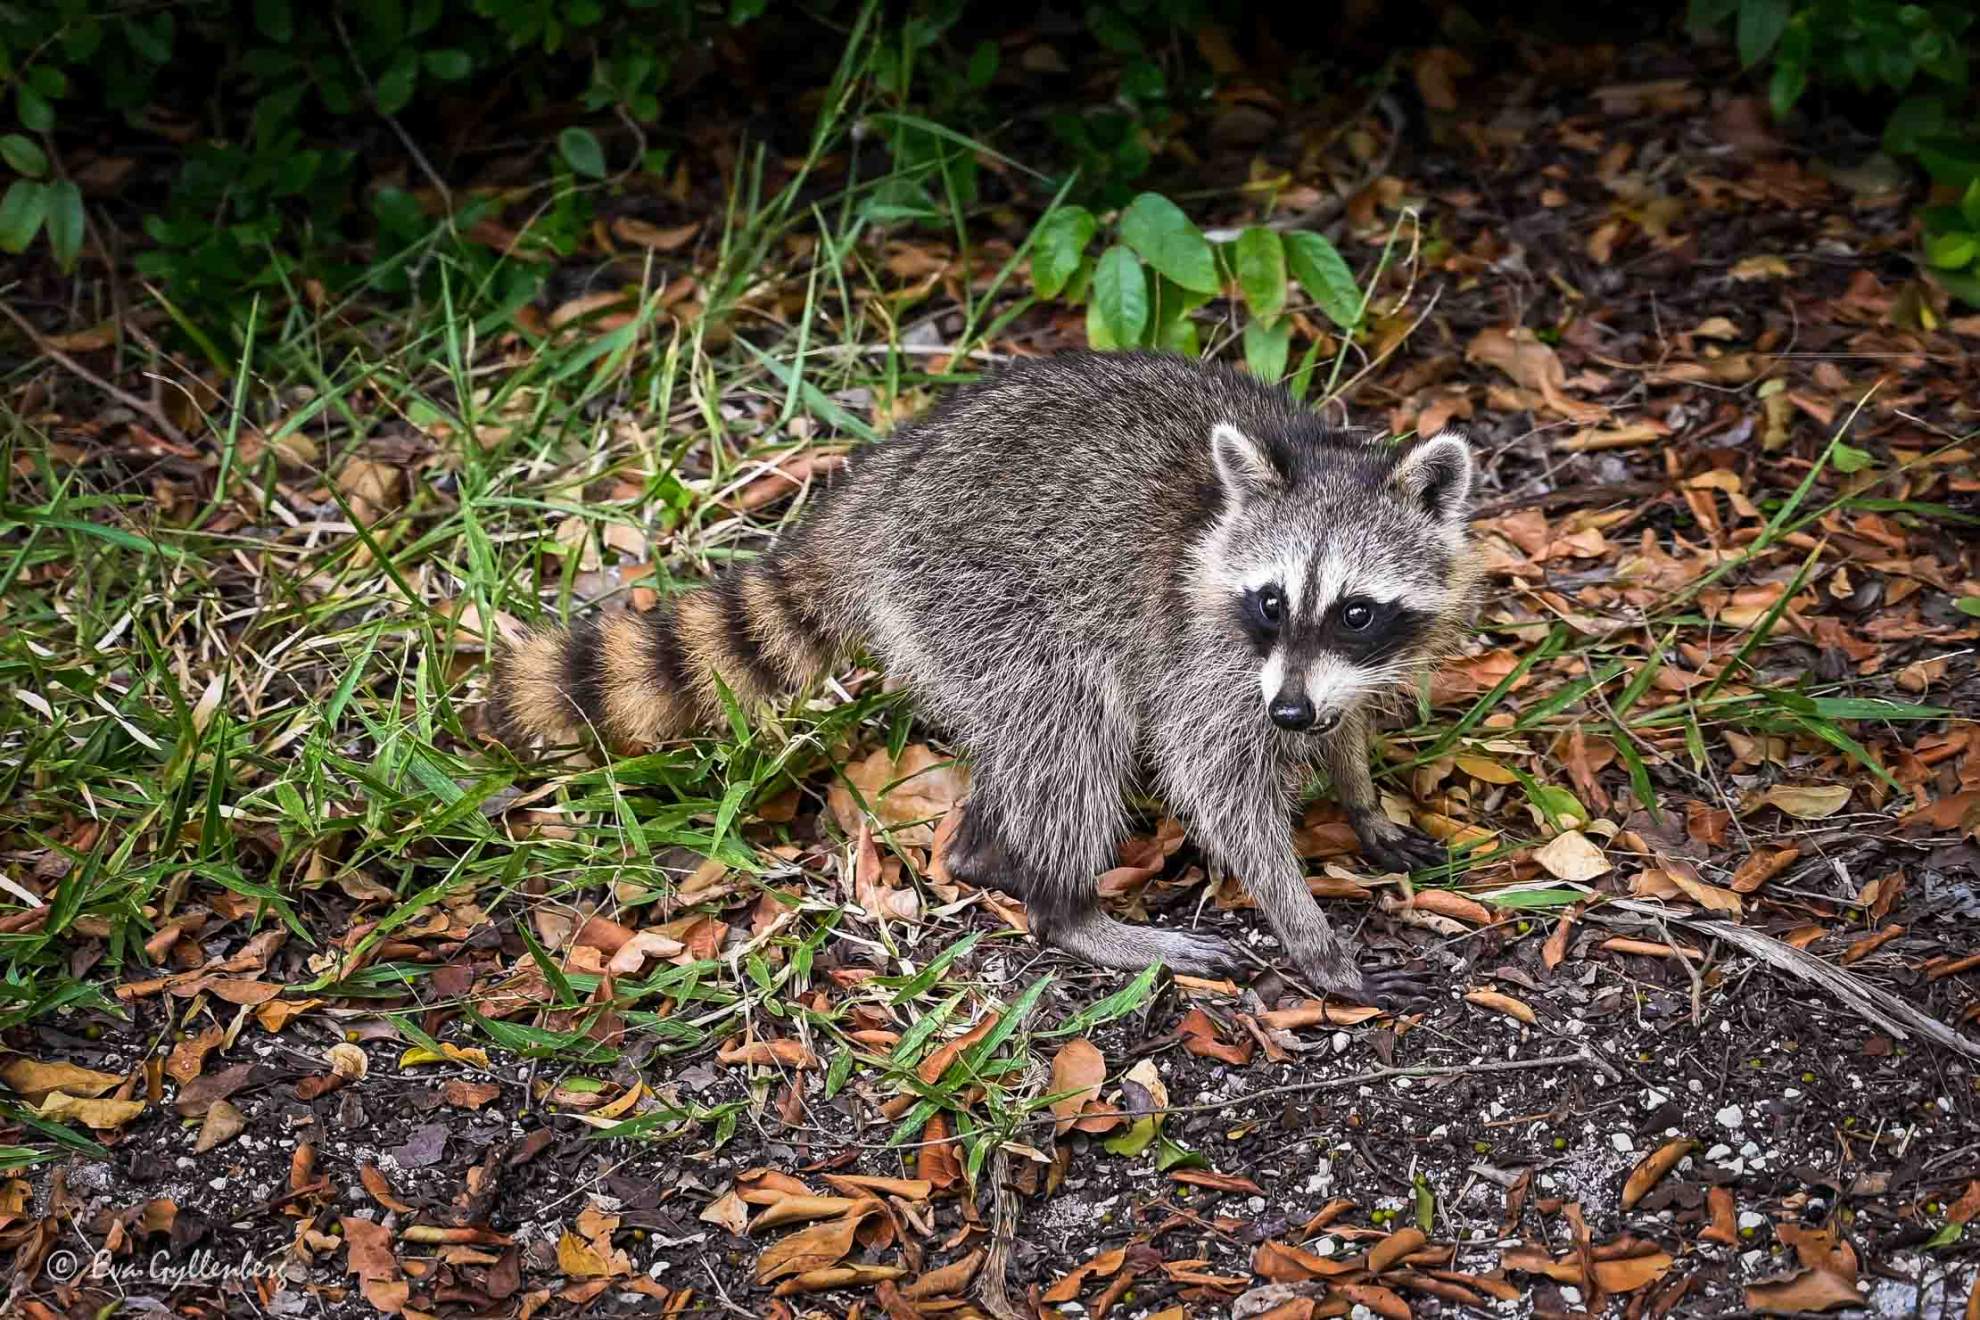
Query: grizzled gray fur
1097	571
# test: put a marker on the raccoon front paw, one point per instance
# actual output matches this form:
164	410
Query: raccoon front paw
1194	953
1394	847
1336	973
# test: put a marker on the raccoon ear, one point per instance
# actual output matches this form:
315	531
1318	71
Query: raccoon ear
1436	474
1243	465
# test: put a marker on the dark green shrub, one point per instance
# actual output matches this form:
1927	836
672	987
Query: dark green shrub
1918	56
273	100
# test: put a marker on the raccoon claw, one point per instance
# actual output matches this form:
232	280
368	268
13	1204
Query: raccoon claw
1396	847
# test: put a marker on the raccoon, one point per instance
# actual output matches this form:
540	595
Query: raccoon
1098	571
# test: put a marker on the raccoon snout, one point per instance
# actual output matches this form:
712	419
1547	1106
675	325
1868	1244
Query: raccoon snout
1296	714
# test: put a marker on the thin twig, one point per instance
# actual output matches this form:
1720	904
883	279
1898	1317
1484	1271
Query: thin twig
150	411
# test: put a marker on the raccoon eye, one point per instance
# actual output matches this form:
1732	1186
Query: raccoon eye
1270	605
1357	615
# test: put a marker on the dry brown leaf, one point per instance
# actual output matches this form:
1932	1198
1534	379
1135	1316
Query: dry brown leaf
1761	266
1281	1262
582	1259
1763	865
1536	1260
1078	1068
638	233
1393	1248
1502	1003
222	1124
1572	856
871	891
857	1185
381	1191
1651	1170
1315	1013
818	1247
1710	897
948	1280
908	797
930	1069
1532	364
188	1057
1200	1037
1449	903
1103	1266
727	1210
938	1163
837	1276
371	489
1217	1182
35	1079
1491	772
369	1252
1806	801
1629	1273
100	1115
1555	949
1724	1228
1382	1301
1810	1290
1648	948
787	1053
464	1094
798	1209
279	1013
1968	1204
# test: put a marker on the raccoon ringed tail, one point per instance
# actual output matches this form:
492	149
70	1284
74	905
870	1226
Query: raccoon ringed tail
644	678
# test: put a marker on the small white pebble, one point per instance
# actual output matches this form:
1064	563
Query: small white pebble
1719	1151
1621	1141
1731	1116
1750	1219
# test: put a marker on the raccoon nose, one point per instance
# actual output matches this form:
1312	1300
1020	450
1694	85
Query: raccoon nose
1290	712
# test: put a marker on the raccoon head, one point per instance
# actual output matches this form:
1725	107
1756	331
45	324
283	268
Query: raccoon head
1340	563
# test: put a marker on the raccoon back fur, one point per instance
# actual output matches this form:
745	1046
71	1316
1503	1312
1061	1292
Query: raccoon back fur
1095	570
